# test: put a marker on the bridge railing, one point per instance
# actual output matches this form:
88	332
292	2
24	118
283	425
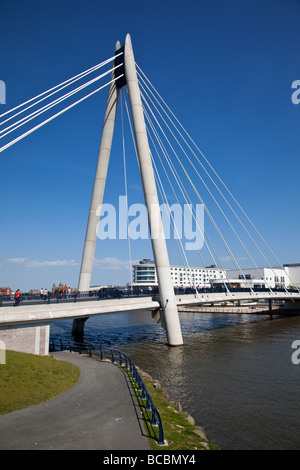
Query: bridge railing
124	361
122	294
9	300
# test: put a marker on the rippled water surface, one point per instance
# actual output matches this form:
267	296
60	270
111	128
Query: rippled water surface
234	374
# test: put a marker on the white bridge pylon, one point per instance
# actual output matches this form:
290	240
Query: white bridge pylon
128	75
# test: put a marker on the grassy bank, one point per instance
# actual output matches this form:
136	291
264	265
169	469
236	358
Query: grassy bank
27	380
180	430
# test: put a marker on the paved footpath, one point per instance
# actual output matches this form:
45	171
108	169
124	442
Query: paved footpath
99	413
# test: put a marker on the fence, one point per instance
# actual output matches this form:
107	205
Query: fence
124	361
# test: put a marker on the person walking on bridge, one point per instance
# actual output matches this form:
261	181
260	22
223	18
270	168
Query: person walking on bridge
17	297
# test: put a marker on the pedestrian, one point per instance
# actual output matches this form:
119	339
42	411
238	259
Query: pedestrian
69	292
45	293
17	297
42	293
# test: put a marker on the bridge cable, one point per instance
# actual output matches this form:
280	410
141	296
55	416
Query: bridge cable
71	80
225	244
126	190
185	196
218	178
156	174
166	173
56	115
230	208
247	232
179	183
221	210
48	106
162	193
229	223
174	226
185	262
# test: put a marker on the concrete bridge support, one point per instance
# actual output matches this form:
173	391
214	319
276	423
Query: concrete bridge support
169	311
78	326
33	339
160	253
99	186
97	197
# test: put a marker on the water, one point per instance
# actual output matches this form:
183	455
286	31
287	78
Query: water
234	374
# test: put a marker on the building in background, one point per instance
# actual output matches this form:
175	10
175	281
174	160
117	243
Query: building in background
4	291
293	274
144	274
260	277
279	277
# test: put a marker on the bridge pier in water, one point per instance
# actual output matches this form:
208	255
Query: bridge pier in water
78	326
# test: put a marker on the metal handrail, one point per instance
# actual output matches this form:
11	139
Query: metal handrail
92	296
118	356
65	298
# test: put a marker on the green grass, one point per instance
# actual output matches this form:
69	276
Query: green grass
179	434
27	380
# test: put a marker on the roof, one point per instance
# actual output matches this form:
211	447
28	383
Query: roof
293	265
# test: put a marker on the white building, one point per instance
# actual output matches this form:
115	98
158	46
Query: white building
293	274
244	283
271	277
144	273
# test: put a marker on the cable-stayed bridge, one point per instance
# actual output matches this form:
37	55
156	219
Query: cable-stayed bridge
175	175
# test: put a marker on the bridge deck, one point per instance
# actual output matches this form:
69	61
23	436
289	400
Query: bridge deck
234	296
45	313
26	314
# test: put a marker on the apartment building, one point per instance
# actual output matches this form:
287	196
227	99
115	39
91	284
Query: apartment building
144	273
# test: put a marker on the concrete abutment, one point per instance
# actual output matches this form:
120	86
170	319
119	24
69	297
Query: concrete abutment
28	339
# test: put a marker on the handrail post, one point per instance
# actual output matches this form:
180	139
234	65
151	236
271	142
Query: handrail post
120	359
136	378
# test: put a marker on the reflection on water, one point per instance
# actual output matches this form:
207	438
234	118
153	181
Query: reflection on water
134	327
234	374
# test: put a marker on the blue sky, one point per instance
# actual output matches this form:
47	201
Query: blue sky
225	68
